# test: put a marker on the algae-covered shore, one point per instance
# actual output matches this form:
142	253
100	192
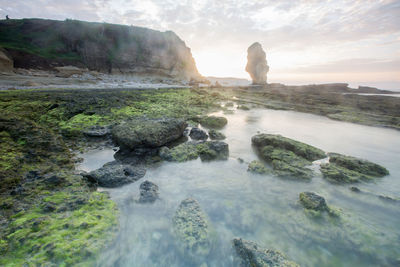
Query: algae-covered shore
53	214
50	214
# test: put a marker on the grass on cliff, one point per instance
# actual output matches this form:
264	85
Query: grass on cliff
49	215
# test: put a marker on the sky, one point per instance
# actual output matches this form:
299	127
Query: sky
306	41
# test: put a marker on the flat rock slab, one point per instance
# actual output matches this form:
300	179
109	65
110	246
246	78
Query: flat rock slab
113	174
147	132
252	255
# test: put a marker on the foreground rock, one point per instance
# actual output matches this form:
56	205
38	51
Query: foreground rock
198	134
315	204
148	192
147	132
215	135
346	169
113	174
213	122
288	157
192	230
206	150
257	64
251	255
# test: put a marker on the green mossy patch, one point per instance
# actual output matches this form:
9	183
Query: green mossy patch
213	122
257	167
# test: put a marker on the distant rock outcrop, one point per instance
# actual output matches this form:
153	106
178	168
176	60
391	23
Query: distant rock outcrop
103	47
257	64
6	64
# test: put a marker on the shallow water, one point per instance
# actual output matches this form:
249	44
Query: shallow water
264	209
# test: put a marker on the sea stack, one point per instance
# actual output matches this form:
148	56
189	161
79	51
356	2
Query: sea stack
257	65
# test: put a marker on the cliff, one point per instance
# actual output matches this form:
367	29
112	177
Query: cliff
47	44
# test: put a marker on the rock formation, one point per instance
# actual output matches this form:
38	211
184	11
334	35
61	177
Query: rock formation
6	64
102	47
257	64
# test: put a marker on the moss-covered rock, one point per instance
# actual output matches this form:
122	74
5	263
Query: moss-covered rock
183	152
213	150
257	167
294	171
315	205
213	122
252	255
147	132
347	169
206	150
192	231
277	141
216	135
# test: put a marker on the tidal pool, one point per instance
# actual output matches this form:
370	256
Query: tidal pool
265	209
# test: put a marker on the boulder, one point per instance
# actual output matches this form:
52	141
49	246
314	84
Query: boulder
212	150
213	122
207	150
215	135
257	65
68	71
347	169
144	132
251	255
113	174
312	201
148	192
97	131
6	63
192	230
257	167
198	134
183	152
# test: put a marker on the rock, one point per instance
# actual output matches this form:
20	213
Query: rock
213	122
68	71
346	169
198	134
97	131
215	135
251	255
277	141
148	192
192	230
243	107
113	174
312	201
257	65
31	84
147	132
207	150
6	63
212	150
257	167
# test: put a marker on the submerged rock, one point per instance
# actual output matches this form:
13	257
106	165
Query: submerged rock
148	192
212	150
216	135
213	122
257	167
251	255
289	158
347	169
192	230
312	201
198	134
147	132
113	174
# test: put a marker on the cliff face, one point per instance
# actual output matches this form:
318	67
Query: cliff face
110	48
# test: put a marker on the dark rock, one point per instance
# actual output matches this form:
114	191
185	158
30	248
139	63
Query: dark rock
198	134
97	131
54	180
355	189
212	150
251	255
213	122
215	135
139	133
113	174
192	230
148	192
49	207
313	201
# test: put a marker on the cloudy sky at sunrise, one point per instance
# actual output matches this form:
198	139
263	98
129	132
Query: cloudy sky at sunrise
306	41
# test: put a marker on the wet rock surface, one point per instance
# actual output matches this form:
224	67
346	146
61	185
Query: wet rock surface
148	192
192	230
257	167
213	150
216	135
213	122
144	132
114	174
252	255
288	157
198	134
97	131
312	201
347	169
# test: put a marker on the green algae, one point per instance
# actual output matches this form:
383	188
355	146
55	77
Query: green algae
257	167
213	122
